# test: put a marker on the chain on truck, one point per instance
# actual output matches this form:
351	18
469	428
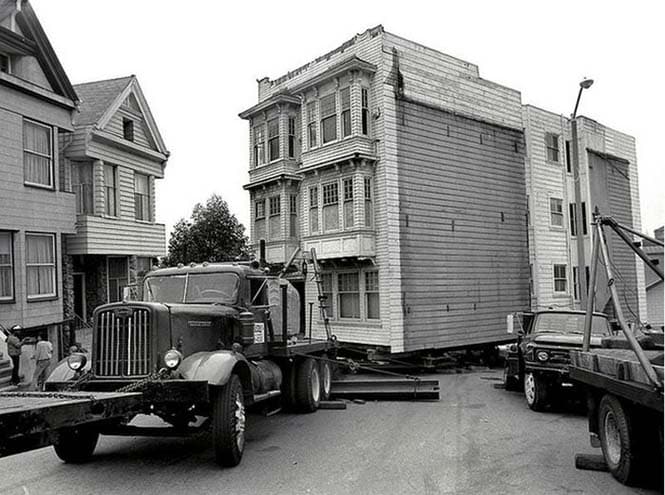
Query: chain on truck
206	342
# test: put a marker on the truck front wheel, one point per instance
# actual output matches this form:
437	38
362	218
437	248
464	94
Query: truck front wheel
76	445
228	423
326	371
536	391
308	386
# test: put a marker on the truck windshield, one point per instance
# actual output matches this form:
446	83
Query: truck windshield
212	288
570	323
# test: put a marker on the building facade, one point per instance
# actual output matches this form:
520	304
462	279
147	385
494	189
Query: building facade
404	169
114	156
608	182
37	209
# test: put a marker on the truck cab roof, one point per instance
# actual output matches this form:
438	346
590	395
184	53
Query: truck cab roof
241	269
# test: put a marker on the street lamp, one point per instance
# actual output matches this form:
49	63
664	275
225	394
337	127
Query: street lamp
581	265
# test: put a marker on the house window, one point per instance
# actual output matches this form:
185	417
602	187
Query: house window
259	145
313	209
560	282
348	202
142	197
273	139
260	209
37	154
328	118
40	265
569	158
128	129
327	292
274	211
369	209
556	212
82	183
110	189
275	206
311	124
345	103
364	115
293	215
349	295
118	277
372	295
572	211
330	206
292	137
6	267
576	284
259	216
5	64
552	144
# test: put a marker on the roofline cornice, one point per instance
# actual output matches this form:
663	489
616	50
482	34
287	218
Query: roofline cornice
264	105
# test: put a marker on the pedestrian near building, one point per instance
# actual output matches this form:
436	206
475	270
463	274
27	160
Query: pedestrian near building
14	344
42	357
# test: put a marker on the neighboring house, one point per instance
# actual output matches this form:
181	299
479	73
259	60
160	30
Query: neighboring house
654	285
405	170
37	209
609	182
115	155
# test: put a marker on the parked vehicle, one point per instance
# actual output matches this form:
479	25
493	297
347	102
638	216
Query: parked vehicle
539	361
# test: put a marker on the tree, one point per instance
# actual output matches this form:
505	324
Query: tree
212	233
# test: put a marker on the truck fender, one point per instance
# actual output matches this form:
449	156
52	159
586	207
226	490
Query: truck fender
62	372
216	368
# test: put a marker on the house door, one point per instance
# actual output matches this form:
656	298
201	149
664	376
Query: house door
79	296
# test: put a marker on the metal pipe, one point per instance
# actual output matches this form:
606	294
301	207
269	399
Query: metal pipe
581	265
311	305
639	234
591	299
634	344
617	228
284	313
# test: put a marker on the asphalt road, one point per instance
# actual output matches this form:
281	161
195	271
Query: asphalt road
476	440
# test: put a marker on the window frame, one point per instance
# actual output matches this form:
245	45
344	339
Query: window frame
553	147
51	295
368	196
114	188
108	277
259	144
51	185
291	144
313	192
128	129
276	201
558	213
12	269
569	156
293	215
323	118
312	125
273	139
144	197
262	203
345	112
572	222
347	198
339	294
7	65
330	199
368	292
364	111
555	279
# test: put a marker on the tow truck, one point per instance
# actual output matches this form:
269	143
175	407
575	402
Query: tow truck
206	342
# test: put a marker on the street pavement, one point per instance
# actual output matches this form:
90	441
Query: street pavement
477	439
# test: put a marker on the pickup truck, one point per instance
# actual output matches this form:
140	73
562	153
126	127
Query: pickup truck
538	362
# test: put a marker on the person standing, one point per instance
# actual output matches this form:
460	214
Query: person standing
42	357
14	344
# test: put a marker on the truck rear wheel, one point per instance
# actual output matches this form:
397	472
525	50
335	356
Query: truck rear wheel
308	386
536	391
76	445
228	423
326	371
620	441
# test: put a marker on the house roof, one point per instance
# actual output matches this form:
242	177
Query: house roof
97	96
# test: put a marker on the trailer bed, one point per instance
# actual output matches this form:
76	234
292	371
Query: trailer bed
28	420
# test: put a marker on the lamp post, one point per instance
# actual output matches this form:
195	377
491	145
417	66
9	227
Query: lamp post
579	228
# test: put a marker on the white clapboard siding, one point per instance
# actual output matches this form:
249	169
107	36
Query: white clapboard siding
141	136
99	235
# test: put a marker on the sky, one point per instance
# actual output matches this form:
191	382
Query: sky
198	62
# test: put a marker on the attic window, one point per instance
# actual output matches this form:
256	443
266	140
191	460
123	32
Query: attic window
128	129
4	63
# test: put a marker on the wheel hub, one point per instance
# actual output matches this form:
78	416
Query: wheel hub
612	438
316	385
530	388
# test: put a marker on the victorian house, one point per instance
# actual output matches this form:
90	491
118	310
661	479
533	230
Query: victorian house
404	169
115	155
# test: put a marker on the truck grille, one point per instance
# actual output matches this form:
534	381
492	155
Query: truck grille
123	344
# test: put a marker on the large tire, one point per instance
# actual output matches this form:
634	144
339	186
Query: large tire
76	445
622	443
228	423
308	386
510	382
536	391
326	373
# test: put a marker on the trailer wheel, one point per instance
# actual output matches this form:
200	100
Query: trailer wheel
536	391
620	441
76	445
308	386
228	423
326	372
510	383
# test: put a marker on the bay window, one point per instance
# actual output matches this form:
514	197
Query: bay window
328	110
364	115
292	137
369	208
37	154
40	265
313	209
311	124
330	206
259	145
345	104
274	212
273	140
293	215
347	185
82	183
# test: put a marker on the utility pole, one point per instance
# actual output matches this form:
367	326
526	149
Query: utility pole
579	228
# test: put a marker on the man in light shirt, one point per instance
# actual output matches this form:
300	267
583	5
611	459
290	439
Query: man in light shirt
42	357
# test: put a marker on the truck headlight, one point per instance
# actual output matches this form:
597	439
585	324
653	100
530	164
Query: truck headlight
76	361
542	356
172	359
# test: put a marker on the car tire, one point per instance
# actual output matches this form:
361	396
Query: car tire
228	423
308	386
510	382
621	441
76	445
536	391
326	373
